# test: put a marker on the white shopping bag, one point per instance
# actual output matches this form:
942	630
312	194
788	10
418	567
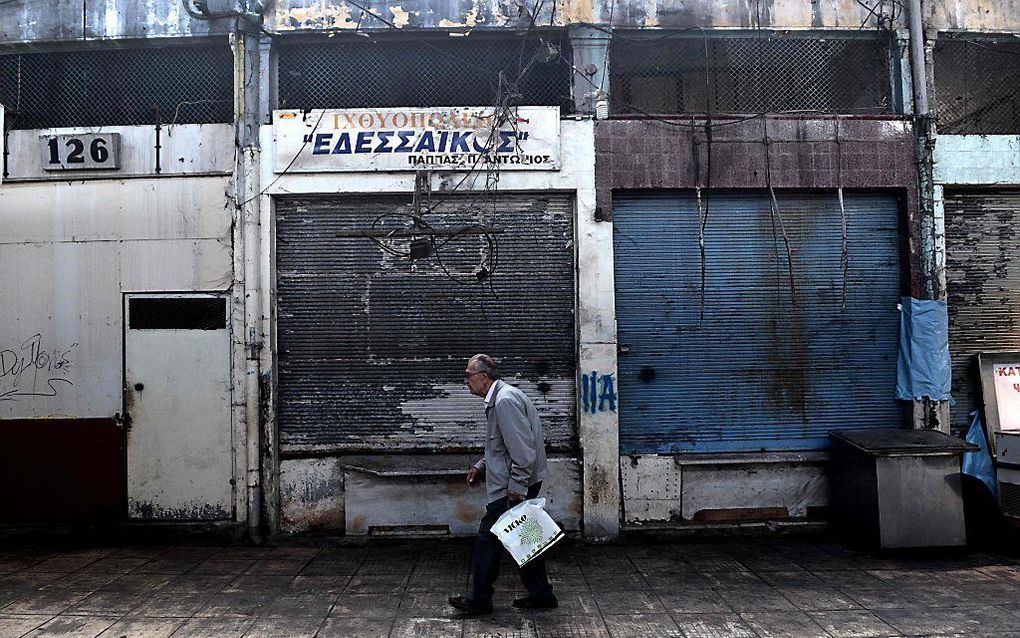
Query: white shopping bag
526	530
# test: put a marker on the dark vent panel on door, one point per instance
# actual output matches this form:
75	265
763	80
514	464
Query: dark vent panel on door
178	313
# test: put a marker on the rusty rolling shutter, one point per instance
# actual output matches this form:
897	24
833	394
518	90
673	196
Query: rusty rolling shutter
372	345
763	369
983	284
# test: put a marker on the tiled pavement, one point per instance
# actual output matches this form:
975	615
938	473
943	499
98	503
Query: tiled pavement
753	588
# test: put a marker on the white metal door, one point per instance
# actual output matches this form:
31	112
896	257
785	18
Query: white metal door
177	399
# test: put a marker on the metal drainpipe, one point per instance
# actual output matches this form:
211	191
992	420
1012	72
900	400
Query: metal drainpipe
248	191
924	146
930	413
917	66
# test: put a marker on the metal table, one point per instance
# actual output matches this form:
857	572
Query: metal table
898	488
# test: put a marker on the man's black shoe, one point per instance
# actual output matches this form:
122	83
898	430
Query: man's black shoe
528	603
470	607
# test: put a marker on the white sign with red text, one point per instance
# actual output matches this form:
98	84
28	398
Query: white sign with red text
412	139
1007	394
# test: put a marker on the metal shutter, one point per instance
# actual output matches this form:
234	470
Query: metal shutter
372	346
759	373
983	284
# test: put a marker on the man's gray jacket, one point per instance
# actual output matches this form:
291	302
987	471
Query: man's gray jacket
515	447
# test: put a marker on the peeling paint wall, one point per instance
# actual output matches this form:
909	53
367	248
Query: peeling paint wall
312	495
977	159
973	15
77	20
296	15
39	21
314	15
29	21
676	14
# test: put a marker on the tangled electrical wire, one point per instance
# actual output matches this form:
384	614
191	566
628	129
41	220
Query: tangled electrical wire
435	241
427	240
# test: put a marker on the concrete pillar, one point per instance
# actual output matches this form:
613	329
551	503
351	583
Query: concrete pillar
590	78
267	382
247	215
598	406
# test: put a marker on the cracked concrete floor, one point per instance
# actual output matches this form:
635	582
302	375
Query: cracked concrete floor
757	589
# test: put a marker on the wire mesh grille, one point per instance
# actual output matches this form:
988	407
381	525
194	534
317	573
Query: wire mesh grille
117	87
976	87
178	313
461	72
750	75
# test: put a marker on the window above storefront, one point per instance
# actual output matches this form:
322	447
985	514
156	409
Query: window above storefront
700	73
976	85
531	69
118	87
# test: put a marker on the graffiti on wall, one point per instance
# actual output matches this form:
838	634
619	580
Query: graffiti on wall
598	392
34	369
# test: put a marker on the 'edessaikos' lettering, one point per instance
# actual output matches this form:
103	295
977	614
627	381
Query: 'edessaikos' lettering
397	141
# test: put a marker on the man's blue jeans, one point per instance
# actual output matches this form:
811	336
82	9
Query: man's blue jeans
489	551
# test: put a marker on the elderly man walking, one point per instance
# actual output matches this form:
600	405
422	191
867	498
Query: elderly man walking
513	468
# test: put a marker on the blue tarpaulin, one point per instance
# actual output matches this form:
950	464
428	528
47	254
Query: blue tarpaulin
979	462
923	368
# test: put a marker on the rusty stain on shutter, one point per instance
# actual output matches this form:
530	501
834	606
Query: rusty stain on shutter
757	373
372	346
983	285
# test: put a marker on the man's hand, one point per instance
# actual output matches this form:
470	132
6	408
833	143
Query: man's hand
513	498
473	476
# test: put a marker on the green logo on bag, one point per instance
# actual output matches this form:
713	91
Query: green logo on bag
531	532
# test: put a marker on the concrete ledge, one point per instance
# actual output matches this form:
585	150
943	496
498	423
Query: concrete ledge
726	488
751	457
723	531
404	495
429	495
409	464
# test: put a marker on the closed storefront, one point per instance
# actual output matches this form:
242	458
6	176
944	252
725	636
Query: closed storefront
379	308
983	285
731	349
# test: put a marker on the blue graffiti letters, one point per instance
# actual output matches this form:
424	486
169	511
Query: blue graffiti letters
598	393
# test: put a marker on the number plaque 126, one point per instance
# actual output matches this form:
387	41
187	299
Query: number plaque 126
87	151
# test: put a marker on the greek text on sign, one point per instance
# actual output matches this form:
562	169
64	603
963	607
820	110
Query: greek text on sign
1007	394
411	139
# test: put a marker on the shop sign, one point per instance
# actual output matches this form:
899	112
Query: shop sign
412	139
1007	394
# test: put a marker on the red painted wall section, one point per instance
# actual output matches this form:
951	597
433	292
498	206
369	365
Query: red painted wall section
68	471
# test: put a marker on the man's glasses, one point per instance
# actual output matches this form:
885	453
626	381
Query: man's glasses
468	375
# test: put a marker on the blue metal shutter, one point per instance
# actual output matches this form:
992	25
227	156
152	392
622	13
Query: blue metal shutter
759	372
